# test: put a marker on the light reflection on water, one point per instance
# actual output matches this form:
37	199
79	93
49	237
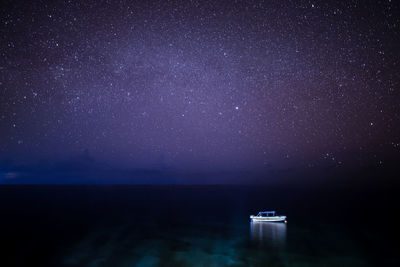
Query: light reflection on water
268	233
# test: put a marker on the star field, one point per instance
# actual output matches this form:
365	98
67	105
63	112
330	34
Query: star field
201	84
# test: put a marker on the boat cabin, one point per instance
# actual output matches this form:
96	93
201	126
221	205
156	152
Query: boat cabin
266	213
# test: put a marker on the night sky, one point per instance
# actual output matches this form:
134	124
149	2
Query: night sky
200	85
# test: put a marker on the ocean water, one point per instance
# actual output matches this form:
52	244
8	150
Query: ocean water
196	226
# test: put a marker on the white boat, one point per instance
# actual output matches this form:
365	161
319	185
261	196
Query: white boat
267	216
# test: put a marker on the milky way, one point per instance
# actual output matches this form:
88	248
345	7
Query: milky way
201	84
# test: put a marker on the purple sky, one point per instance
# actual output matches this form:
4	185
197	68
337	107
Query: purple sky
201	84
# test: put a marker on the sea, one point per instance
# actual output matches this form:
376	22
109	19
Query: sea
197	225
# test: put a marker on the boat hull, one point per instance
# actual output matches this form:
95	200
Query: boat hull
268	218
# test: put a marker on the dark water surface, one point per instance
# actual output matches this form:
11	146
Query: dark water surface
196	226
